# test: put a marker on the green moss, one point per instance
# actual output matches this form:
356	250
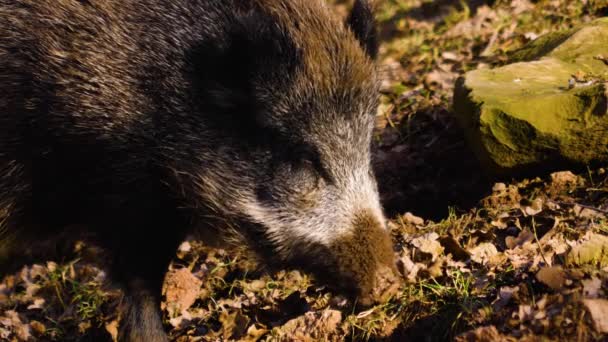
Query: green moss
592	252
526	113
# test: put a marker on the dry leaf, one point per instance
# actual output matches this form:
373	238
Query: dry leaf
588	213
563	178
499	187
598	308
234	324
411	218
534	208
481	334
112	329
254	333
181	288
554	277
483	252
84	326
38	327
313	326
12	320
523	237
504	296
454	248
592	287
409	268
428	245
38	304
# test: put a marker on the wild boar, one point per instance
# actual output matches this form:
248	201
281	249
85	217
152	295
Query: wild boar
145	119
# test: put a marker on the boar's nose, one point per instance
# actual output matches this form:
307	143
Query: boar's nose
366	261
386	284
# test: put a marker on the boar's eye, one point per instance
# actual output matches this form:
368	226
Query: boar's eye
297	174
304	169
307	158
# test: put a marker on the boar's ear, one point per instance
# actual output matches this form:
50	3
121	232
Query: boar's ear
228	70
361	22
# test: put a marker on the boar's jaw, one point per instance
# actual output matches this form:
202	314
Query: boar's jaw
353	260
359	264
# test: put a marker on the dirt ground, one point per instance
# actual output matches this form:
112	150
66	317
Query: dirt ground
484	259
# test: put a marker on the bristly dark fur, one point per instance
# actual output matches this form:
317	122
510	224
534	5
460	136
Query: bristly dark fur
142	119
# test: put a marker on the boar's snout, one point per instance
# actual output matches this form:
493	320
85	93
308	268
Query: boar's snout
366	261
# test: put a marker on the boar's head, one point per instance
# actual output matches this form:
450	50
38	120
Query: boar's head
294	94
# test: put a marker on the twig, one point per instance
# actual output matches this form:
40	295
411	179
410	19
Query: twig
540	247
601	58
580	205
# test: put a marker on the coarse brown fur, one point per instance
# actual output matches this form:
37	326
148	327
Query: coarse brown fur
144	119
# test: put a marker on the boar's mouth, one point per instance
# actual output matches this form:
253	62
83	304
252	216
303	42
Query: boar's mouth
350	265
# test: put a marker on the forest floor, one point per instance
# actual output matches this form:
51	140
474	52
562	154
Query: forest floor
484	260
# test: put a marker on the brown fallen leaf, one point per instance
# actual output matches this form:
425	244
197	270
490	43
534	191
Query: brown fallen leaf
523	237
408	268
499	187
312	326
112	329
452	247
11	320
411	218
181	320
534	208
481	334
564	178
588	212
444	79
504	296
598	308
38	327
555	277
38	304
483	253
4	333
181	288
84	326
254	333
234	324
428	247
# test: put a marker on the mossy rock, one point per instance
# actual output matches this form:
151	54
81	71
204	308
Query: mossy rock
592	252
547	109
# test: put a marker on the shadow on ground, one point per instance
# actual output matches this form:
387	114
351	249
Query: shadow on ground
428	168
